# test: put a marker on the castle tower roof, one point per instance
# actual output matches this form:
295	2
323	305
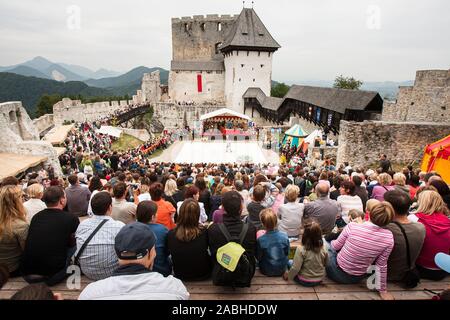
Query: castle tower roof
248	32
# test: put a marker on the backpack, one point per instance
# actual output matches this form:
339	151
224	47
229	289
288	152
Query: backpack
412	276
235	269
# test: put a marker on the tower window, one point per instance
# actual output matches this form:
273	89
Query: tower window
186	27
262	66
242	65
248	53
219	26
240	79
269	54
203	27
259	53
237	53
253	80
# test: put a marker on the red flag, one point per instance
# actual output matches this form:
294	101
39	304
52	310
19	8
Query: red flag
199	83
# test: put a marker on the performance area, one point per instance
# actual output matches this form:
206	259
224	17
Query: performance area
218	152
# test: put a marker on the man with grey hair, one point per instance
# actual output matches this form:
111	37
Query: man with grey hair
323	210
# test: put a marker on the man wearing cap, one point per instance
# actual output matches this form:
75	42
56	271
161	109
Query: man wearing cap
134	280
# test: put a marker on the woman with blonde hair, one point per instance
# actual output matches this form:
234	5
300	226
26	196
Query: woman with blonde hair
34	204
384	185
13	228
399	180
290	214
433	214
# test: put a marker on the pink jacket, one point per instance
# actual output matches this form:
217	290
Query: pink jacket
437	238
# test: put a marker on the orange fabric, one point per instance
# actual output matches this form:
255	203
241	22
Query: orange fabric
164	214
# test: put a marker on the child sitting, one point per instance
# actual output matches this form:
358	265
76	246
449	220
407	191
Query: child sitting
356	216
273	247
310	257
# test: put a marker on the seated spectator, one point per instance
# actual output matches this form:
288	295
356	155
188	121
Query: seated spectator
356	216
98	259
371	203
414	185
77	197
360	191
255	207
179	194
36	291
133	280
4	275
273	247
166	211
399	181
51	240
437	239
122	210
348	260
384	185
323	210
13	228
233	204
218	214
443	190
170	190
278	194
310	259
414	232
239	186
188	244
146	213
204	196
347	201
194	193
34	204
216	198
291	213
143	190
95	186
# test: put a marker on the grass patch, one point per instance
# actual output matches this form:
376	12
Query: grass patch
157	153
126	142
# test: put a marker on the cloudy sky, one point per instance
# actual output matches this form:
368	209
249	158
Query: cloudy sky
373	40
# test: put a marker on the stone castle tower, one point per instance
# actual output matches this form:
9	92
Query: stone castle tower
216	58
151	87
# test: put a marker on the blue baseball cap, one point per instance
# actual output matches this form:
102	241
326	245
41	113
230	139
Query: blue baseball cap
134	241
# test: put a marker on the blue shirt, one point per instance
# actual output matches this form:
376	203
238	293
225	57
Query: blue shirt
272	253
162	262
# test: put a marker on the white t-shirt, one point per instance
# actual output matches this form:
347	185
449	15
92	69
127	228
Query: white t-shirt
348	203
33	206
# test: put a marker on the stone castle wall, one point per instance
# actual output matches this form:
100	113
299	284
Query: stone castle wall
174	116
428	100
44	123
195	38
20	136
362	143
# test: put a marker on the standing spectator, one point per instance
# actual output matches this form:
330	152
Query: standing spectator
273	247
188	244
348	201
51	240
348	261
232	202
308	268
437	239
414	232
13	228
98	259
385	164
122	210
291	213
34	204
384	185
78	197
146	213
166	211
324	210
114	160
133	280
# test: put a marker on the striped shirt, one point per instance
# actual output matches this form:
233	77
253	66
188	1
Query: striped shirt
99	259
360	245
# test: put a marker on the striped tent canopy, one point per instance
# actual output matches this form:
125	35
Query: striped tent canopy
294	136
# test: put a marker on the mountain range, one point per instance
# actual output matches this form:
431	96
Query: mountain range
43	68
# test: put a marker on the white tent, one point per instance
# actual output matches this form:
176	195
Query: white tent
111	131
224	112
313	135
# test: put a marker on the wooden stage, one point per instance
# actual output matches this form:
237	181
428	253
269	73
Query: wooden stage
269	288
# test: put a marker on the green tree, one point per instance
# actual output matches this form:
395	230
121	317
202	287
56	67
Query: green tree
45	104
279	90
351	83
